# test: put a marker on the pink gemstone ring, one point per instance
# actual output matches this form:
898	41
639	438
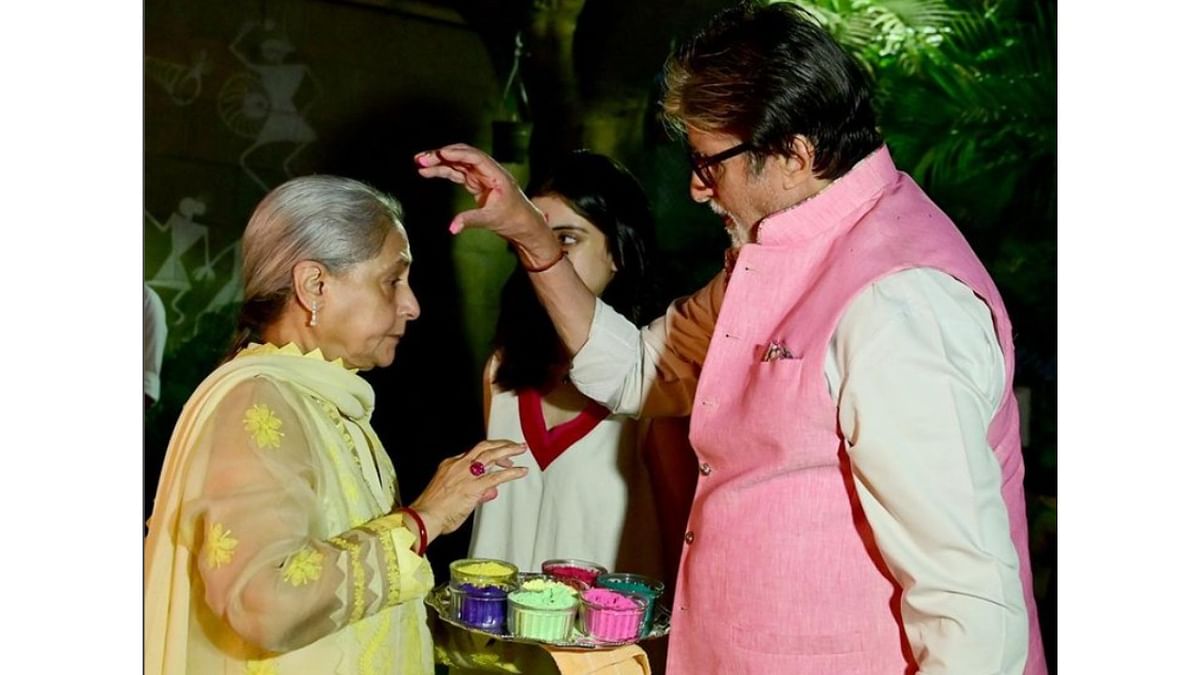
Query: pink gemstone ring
478	469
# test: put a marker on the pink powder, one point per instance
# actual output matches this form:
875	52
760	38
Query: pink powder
609	599
610	616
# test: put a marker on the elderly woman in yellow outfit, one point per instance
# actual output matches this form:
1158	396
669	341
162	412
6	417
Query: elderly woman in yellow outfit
277	542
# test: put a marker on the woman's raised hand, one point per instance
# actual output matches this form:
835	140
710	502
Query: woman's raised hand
500	205
465	481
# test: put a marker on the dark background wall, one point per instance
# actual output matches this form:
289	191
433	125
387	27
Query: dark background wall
360	90
241	95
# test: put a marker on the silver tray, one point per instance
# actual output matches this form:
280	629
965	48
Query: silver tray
439	600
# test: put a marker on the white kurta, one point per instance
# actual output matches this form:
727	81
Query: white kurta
593	502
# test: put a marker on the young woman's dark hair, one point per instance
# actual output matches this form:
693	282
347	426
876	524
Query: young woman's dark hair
610	198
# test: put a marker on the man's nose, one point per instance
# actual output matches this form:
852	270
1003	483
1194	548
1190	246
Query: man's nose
701	193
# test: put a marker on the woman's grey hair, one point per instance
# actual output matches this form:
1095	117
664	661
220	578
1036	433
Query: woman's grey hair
335	221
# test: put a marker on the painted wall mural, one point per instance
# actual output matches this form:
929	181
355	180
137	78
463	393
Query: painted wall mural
239	97
181	82
264	97
263	103
191	280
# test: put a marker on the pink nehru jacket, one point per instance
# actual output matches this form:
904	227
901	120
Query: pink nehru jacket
780	573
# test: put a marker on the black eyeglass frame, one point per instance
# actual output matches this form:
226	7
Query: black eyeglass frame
702	165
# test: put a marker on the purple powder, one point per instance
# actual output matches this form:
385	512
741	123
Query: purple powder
483	607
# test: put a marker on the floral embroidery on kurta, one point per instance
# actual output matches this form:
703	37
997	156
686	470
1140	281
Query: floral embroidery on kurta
263	425
219	546
261	668
304	567
362	630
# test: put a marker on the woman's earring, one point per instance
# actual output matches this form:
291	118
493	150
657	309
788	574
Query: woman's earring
312	320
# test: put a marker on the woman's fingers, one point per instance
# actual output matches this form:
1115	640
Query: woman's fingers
457	485
490	455
492	444
495	478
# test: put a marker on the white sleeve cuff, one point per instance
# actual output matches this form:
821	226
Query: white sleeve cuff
609	359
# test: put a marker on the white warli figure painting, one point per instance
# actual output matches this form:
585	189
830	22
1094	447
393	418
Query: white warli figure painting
184	233
181	82
185	237
231	291
260	104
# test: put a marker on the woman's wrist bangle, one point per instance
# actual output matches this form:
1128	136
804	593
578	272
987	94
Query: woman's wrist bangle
562	253
424	534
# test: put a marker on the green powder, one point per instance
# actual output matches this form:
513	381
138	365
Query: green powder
544	594
542	610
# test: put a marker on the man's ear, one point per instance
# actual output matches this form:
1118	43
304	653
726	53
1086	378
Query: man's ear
798	165
308	281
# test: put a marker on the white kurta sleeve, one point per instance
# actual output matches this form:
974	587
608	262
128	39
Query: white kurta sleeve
154	342
918	374
652	372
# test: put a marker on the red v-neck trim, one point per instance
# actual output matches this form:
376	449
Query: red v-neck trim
547	444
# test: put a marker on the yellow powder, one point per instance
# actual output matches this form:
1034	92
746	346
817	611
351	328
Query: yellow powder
485	569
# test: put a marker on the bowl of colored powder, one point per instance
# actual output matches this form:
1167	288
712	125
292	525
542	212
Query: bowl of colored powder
542	609
644	587
482	607
483	572
580	574
609	615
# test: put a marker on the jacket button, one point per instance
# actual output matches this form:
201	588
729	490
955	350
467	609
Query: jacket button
705	468
689	537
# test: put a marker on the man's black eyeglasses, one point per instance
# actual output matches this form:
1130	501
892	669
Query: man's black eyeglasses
702	165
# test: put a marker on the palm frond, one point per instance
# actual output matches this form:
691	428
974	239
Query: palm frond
912	14
965	89
845	20
991	89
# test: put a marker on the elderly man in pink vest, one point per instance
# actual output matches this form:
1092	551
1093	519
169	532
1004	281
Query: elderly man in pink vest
860	507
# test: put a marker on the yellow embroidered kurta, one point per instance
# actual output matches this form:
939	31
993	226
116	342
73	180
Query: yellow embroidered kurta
270	549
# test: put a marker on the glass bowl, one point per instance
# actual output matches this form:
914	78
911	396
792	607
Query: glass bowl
581	574
647	588
608	615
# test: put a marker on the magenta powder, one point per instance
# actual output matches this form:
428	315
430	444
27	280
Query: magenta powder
610	616
587	576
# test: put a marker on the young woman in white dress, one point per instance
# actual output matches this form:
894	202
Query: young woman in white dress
587	494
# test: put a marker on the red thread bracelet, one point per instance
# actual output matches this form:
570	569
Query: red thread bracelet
562	253
420	526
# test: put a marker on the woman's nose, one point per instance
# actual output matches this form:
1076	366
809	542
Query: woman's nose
409	306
